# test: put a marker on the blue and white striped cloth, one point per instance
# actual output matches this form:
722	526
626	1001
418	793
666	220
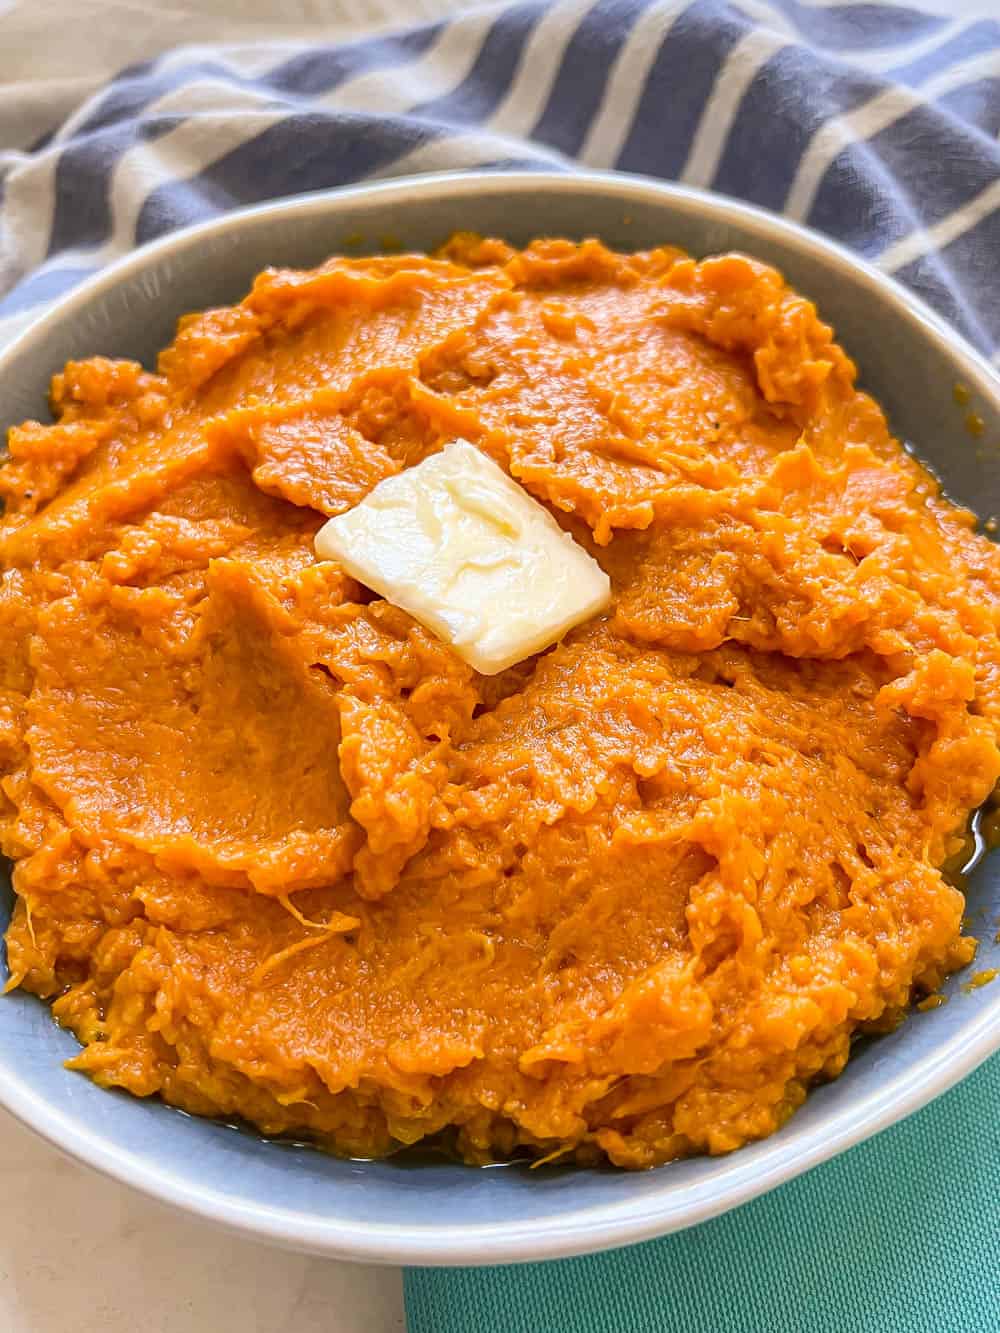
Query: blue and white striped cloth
876	123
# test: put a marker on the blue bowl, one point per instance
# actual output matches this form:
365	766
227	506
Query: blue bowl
435	1212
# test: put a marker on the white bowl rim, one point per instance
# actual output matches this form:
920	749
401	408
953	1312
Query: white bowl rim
603	1226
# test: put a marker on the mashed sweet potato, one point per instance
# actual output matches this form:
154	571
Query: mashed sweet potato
282	855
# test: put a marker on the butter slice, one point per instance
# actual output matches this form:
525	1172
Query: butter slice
467	552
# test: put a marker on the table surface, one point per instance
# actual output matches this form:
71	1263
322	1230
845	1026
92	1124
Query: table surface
79	1252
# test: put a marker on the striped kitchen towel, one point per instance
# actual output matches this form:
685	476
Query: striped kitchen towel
876	123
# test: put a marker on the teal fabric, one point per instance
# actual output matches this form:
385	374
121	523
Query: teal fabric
899	1235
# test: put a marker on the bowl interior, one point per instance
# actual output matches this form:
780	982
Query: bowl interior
439	1212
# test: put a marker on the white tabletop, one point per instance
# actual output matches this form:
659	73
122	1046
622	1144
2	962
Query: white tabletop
80	1254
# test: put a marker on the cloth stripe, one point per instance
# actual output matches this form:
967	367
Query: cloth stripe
890	104
583	73
441	67
530	88
685	70
974	39
944	232
630	71
875	122
781	128
721	109
482	89
309	73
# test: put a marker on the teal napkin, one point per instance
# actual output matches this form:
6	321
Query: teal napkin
899	1235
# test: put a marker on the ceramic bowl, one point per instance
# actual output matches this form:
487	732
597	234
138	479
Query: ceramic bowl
436	1212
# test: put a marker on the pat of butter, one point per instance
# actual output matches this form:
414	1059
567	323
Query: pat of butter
467	552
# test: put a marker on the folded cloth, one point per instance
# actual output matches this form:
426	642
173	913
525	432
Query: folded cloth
875	123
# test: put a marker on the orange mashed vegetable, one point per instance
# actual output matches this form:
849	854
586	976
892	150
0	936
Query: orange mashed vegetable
281	855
